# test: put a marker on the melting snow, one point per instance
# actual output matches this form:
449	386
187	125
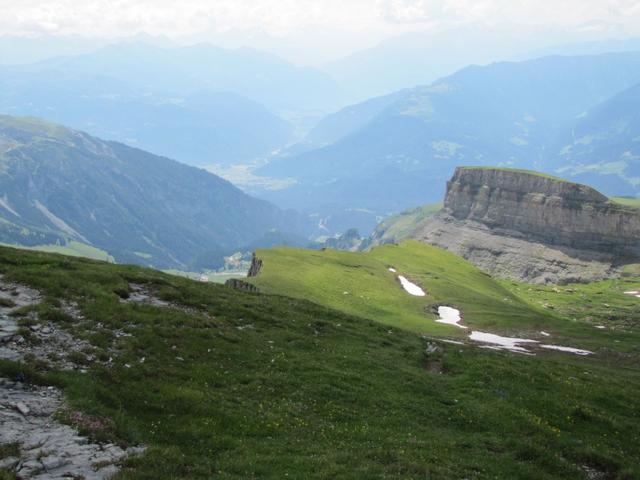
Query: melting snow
635	293
506	343
411	288
452	316
600	327
449	316
577	351
392	270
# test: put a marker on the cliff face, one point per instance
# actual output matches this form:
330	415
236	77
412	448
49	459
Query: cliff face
532	227
544	209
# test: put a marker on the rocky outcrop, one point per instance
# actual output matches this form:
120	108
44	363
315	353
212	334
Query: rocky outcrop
532	227
349	241
256	266
48	449
241	285
545	209
44	447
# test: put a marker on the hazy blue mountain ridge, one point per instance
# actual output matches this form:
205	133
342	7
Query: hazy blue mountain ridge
509	113
604	144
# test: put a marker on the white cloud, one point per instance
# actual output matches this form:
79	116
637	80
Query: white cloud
187	17
311	30
416	11
279	17
567	13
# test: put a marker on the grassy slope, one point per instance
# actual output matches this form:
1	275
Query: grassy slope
36	126
519	170
374	292
628	201
301	391
73	249
402	225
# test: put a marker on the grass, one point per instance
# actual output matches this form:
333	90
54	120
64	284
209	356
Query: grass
7	302
627	201
8	450
401	226
36	126
213	277
519	170
361	284
72	249
238	385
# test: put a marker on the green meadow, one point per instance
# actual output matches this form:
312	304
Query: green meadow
361	284
304	381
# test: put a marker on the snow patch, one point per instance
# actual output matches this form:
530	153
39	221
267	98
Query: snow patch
410	287
635	293
392	270
576	351
502	343
545	334
450	316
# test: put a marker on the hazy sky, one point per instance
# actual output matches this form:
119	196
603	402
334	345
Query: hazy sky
327	26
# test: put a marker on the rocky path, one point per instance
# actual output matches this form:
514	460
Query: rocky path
47	448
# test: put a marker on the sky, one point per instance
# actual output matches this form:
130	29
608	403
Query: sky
322	28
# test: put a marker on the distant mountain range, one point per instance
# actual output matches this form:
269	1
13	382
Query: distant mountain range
201	104
257	75
206	128
420	58
397	151
63	188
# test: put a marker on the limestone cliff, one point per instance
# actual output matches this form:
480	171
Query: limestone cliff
533	227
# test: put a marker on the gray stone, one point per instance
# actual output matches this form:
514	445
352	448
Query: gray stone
22	408
9	462
27	413
52	463
432	348
533	228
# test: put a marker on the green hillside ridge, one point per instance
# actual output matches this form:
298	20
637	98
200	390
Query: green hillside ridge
61	186
72	249
399	227
628	201
361	284
238	385
517	170
36	127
